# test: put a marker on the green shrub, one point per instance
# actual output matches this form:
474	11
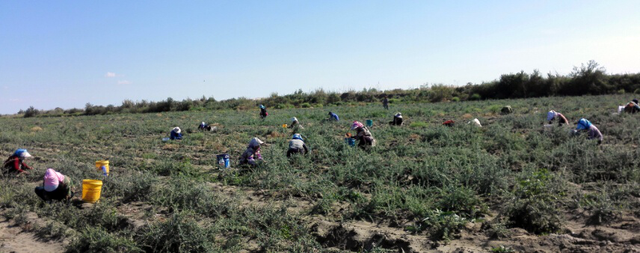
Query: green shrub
535	203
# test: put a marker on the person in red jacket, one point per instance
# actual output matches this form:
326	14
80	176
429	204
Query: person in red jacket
15	163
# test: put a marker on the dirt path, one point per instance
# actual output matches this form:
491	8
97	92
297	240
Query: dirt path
14	239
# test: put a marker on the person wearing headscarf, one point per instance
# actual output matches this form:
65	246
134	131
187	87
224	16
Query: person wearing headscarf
363	135
397	119
297	146
15	163
632	107
295	124
333	116
55	186
593	132
206	127
263	111
252	153
176	134
552	115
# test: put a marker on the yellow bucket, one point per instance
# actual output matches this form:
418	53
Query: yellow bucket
104	163
284	125
91	190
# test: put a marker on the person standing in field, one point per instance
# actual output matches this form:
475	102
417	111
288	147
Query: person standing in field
263	111
593	131
385	103
297	146
363	135
252	154
55	186
15	163
551	115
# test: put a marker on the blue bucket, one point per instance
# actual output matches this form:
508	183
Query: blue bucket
369	123
350	141
223	160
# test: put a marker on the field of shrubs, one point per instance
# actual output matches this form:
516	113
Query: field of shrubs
512	185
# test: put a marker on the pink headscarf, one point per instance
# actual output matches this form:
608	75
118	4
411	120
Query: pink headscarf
356	125
52	179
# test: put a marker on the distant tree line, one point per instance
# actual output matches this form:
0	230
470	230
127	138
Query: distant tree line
588	79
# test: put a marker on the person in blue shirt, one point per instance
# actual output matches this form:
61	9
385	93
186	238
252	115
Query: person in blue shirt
593	132
175	134
333	116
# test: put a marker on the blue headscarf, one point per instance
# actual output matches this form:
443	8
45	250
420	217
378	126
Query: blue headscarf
297	136
19	151
583	124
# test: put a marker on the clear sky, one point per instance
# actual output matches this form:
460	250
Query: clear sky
67	53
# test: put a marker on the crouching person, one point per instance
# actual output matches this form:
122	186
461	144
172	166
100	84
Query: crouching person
593	131
552	115
55	187
176	134
632	107
363	135
397	120
15	163
252	154
297	146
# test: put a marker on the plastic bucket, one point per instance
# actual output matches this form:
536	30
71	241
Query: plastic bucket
223	160
91	190
350	141
103	166
369	123
284	125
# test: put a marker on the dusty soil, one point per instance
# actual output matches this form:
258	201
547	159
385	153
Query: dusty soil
15	239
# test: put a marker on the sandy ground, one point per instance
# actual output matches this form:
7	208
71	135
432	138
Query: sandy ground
14	239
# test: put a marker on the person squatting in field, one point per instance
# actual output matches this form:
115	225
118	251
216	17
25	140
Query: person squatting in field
295	124
176	134
632	107
297	146
263	111
252	153
397	120
206	127
551	115
333	116
593	132
363	135
15	162
55	186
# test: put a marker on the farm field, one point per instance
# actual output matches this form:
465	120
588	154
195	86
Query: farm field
511	186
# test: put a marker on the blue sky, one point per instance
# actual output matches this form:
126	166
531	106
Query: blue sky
67	53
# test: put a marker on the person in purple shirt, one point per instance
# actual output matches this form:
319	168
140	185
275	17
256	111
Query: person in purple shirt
593	132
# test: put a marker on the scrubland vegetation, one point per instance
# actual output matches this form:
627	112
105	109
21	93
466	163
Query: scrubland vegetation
588	79
428	186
